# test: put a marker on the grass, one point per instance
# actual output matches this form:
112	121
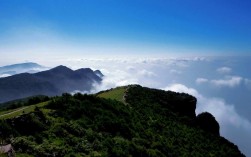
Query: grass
8	111
23	155
116	94
21	110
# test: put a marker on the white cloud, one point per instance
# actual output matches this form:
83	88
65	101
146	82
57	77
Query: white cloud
224	70
173	71
114	79
200	59
4	75
146	73
131	68
230	81
181	89
201	80
247	83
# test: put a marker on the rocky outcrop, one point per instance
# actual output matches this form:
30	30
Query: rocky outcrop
7	150
180	103
207	122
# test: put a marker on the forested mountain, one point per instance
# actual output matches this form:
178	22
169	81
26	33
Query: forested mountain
51	82
125	121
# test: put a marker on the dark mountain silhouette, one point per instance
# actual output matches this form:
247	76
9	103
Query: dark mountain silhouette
207	122
51	82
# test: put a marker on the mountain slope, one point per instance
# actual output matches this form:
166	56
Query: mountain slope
87	125
115	94
51	82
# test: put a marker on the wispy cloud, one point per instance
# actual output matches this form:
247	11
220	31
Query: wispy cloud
4	75
146	73
230	81
201	80
224	70
174	71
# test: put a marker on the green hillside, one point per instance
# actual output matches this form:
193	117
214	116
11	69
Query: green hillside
20	111
154	123
115	94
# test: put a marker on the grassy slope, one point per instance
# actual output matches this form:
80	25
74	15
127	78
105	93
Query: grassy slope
20	111
115	94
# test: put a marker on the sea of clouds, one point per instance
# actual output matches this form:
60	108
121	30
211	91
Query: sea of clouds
211	80
221	85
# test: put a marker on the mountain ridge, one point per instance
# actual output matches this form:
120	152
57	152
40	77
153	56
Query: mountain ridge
89	125
50	82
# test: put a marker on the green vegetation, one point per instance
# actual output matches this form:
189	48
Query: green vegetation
115	94
23	102
19	111
154	123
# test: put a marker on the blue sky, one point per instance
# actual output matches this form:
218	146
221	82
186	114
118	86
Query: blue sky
124	27
75	32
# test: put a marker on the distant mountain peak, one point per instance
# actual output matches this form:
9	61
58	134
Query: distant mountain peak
18	68
51	82
61	68
85	70
19	65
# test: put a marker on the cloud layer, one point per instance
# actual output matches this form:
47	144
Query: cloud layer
179	74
